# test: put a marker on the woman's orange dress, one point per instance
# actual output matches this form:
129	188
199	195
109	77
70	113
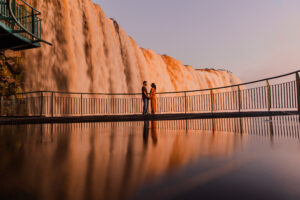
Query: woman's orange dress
153	100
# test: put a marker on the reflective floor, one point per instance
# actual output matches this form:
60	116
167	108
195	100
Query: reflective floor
249	158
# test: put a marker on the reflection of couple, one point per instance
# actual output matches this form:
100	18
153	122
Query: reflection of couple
153	133
146	98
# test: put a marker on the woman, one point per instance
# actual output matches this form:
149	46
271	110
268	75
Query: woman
153	98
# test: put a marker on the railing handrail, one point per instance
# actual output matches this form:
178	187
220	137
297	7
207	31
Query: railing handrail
241	84
38	12
177	92
22	27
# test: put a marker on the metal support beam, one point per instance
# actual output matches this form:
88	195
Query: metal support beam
18	31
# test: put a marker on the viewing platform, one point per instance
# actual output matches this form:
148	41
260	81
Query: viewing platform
20	26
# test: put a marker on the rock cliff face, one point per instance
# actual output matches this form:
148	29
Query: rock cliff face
92	53
10	73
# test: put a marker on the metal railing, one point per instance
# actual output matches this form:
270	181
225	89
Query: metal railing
22	19
261	95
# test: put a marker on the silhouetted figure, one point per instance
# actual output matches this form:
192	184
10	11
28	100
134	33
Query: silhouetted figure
153	98
145	98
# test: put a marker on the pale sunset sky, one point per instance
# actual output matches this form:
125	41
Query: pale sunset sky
254	39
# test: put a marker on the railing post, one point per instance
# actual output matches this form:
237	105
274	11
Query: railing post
239	99
42	102
185	103
1	99
52	104
81	104
13	6
26	105
269	96
13	106
33	23
40	28
212	100
2	107
298	89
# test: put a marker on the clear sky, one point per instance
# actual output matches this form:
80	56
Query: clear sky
252	38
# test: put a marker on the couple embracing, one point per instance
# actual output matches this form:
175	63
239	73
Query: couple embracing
146	98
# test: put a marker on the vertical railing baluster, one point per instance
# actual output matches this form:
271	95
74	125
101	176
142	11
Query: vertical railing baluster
239	98
32	23
268	95
185	103
14	6
273	96
298	89
212	100
52	104
12	105
1	100
27	105
290	96
42	104
81	104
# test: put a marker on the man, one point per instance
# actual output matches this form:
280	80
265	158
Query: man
145	98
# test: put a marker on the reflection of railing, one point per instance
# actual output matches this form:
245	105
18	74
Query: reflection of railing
277	126
282	95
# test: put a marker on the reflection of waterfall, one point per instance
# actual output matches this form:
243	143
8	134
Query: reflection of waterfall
92	53
99	161
111	160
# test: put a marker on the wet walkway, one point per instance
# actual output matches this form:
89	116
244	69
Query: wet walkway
117	118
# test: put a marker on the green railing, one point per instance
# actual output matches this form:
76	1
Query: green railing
22	19
281	93
4	13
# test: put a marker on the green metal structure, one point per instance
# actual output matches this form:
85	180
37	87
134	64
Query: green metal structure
20	26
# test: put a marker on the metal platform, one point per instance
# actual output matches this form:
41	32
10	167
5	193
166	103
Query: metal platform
20	26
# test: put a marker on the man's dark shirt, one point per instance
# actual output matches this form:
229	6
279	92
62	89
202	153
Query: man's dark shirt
144	90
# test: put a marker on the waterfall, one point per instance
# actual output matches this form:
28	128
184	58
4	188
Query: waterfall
92	53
